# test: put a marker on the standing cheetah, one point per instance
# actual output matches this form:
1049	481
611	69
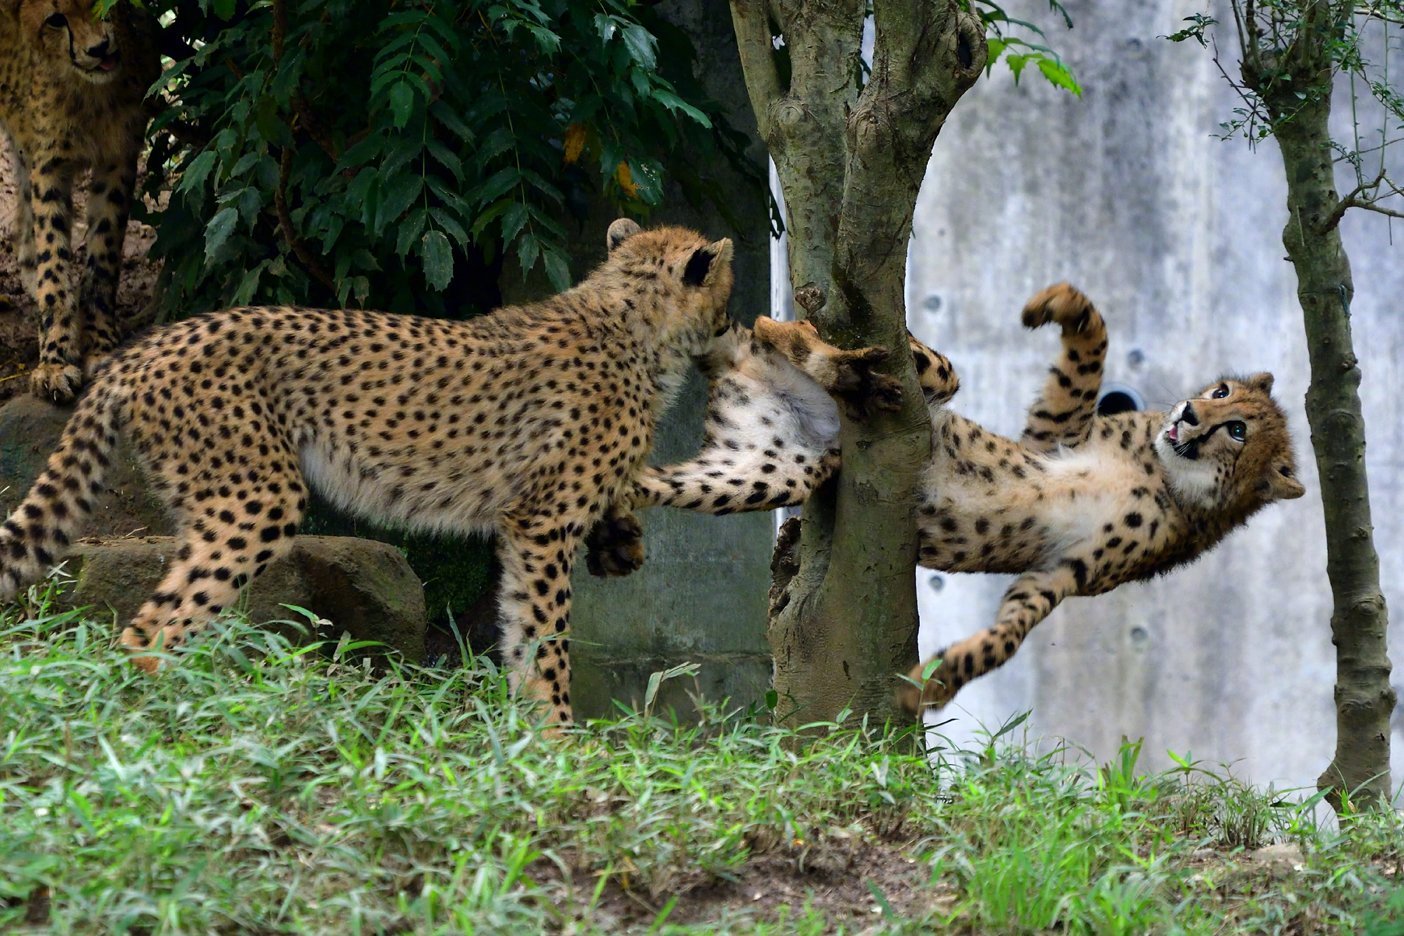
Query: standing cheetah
525	422
71	89
1080	504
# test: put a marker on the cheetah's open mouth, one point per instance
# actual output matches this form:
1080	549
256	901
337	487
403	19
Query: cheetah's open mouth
1188	449
103	66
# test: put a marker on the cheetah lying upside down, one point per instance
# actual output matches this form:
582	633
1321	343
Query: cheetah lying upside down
525	422
1080	504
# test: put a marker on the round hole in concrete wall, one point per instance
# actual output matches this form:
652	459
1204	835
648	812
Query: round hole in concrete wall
1119	398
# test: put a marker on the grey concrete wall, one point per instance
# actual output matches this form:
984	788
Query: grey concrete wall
701	595
1177	236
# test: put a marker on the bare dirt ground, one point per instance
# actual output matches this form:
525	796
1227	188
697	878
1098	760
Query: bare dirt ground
859	885
19	318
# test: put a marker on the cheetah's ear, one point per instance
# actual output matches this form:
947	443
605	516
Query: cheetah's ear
1282	483
620	230
704	263
1262	381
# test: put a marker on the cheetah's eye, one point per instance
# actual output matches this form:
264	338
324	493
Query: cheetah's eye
1221	391
1237	430
56	21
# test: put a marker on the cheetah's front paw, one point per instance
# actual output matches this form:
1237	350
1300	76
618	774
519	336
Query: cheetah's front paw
57	383
848	376
863	390
925	689
1062	303
614	546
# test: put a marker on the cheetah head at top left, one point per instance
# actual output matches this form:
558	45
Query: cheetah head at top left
71	35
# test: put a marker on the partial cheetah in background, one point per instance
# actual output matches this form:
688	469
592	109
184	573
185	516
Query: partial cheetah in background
526	422
71	89
1081	504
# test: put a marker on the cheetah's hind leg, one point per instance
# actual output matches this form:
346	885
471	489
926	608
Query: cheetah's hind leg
227	538
848	376
1063	413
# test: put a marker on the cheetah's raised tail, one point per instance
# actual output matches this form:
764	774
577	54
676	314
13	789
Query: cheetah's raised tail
38	533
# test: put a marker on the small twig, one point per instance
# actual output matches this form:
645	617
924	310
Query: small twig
1238	26
1366	195
1368	206
285	224
1254	105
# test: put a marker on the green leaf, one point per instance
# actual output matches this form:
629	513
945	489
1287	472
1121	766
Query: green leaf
674	103
446	158
448	117
248	285
218	230
366	150
528	249
395	199
1016	64
245	163
249	203
557	270
437	255
196	172
1059	76
641	46
607	26
410	229
497	186
513	220
401	103
450	225
994	47
488	215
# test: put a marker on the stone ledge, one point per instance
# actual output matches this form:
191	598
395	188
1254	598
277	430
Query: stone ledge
364	588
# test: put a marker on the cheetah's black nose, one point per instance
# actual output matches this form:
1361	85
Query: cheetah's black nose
100	50
1187	416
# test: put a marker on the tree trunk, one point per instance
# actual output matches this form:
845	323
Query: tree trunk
850	157
1300	109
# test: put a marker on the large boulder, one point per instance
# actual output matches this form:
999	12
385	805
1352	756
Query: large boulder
363	588
29	433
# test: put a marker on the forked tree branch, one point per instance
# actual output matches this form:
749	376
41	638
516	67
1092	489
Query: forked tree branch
1366	195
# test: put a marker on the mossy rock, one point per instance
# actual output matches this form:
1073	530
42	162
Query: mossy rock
360	587
29	433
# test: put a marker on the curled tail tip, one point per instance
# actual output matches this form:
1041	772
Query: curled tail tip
1064	304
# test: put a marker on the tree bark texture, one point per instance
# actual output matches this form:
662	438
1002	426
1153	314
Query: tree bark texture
1294	84
851	154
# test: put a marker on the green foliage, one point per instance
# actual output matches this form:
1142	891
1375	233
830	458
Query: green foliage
1280	31
259	786
1018	52
393	153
